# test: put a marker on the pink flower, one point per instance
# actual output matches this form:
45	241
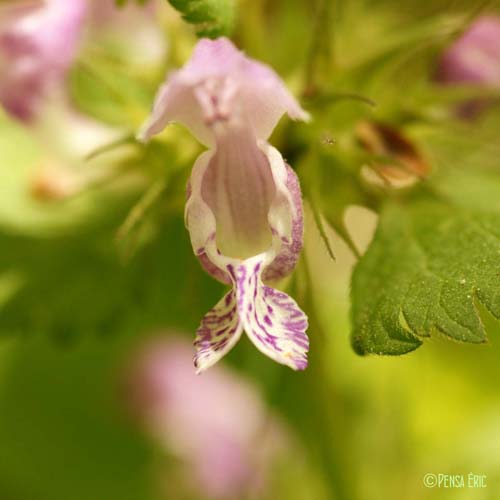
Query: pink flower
211	423
37	45
244	208
475	56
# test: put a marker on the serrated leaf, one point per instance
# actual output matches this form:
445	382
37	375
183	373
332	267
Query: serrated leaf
427	265
211	18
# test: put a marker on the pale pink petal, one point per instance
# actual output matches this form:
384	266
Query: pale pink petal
475	56
219	83
281	223
37	46
176	102
238	186
211	423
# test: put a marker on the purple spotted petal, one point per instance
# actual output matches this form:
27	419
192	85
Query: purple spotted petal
219	331
272	320
220	83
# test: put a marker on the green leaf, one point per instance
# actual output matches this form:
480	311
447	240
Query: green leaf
211	18
429	262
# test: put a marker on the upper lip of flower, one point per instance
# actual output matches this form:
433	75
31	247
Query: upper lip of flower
218	84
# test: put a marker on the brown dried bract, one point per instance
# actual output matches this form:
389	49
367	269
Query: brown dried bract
397	162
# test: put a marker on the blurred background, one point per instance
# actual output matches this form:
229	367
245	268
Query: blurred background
100	294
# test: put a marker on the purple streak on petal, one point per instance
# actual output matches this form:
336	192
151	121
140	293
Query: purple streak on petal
282	338
272	320
289	253
213	270
239	188
220	329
